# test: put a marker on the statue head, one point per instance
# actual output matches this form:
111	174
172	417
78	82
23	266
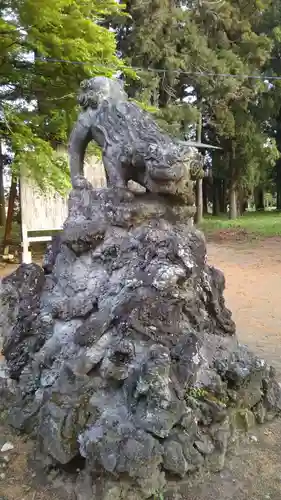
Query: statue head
98	89
171	168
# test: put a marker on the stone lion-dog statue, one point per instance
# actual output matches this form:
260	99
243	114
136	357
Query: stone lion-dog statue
133	146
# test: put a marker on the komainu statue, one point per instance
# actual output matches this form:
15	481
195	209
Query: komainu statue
133	147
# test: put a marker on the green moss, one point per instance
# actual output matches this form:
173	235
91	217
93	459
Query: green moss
196	393
204	394
159	495
222	399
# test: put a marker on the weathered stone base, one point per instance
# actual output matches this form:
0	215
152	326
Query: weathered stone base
122	350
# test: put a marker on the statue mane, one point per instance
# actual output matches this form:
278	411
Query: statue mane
95	91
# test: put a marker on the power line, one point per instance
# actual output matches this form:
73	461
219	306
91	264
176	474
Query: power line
163	71
203	74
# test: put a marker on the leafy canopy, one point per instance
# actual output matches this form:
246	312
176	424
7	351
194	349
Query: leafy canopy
38	95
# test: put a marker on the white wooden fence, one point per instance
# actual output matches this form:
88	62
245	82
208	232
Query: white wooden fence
47	213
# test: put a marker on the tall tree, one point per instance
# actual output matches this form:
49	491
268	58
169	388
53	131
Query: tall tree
47	49
204	50
2	190
271	25
232	32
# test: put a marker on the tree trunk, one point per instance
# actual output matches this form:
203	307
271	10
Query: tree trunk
216	201
278	187
259	198
2	191
222	197
9	220
241	202
199	201
199	182
278	163
205	196
232	202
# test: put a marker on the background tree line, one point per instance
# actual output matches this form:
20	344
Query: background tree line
196	62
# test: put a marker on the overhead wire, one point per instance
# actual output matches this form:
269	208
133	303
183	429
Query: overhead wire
160	70
103	67
206	74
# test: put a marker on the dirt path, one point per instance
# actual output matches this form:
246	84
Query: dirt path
253	291
253	277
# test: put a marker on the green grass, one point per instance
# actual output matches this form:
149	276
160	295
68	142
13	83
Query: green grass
15	233
264	224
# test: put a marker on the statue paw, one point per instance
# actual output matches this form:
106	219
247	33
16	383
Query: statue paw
124	193
128	195
80	182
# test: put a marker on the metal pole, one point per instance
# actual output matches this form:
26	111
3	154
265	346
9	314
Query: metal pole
199	182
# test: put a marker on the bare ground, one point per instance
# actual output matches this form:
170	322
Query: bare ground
253	293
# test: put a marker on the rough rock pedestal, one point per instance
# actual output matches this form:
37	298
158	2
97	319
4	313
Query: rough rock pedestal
123	352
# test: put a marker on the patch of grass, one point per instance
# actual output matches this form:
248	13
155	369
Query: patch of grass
15	233
266	224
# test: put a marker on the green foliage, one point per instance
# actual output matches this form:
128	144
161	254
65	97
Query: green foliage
202	52
35	156
39	98
199	52
153	37
146	107
233	119
94	150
